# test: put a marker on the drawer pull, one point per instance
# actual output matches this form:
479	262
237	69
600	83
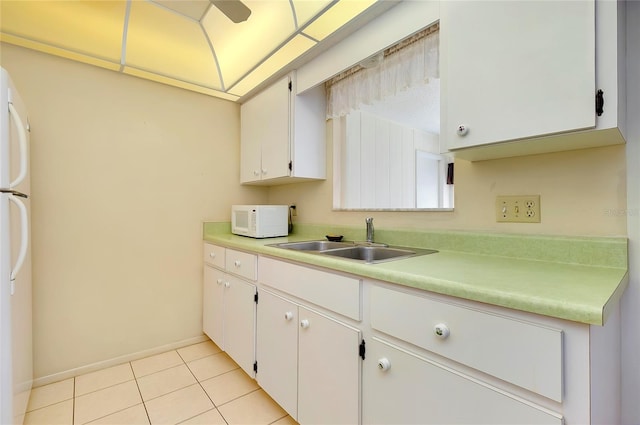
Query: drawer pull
441	330
288	315
304	324
384	364
237	263
212	254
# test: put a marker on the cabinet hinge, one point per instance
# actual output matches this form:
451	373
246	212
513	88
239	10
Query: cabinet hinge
255	297
290	165
599	102
255	367
361	349
290	86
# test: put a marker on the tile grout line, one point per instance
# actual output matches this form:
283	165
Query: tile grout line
240	396
73	403
140	392
205	391
286	414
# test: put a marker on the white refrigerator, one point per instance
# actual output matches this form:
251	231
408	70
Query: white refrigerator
16	358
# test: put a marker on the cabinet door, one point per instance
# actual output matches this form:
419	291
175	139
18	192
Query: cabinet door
276	133
213	305
240	322
399	387
277	350
264	134
328	371
516	69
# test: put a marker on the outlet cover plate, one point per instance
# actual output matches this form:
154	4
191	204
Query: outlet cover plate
518	209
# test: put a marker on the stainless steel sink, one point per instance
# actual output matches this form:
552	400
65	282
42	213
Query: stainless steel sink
313	245
365	252
376	254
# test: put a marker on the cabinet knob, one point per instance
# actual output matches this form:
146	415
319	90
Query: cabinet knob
384	364
212	254
288	315
462	130
227	284
219	281
256	173
304	324
237	263
264	171
441	330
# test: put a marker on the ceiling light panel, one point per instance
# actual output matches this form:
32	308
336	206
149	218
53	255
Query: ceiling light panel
339	14
306	10
193	9
90	28
241	47
169	44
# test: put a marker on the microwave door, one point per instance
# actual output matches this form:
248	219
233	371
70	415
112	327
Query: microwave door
241	220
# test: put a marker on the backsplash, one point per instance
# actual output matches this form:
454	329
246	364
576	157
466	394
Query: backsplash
592	251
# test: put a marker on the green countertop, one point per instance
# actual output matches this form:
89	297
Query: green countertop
583	284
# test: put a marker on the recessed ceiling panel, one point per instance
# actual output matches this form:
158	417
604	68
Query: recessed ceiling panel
169	44
292	50
336	17
241	47
184	43
194	9
91	28
308	9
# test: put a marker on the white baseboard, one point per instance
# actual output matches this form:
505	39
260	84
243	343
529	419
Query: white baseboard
60	376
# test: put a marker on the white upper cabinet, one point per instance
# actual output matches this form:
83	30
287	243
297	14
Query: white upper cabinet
283	135
528	71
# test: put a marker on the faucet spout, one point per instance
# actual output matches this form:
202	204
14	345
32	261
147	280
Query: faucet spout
369	222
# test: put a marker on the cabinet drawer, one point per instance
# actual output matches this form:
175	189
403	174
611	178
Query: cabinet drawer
214	255
340	294
241	263
523	353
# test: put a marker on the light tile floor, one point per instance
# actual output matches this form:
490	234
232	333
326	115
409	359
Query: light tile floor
198	384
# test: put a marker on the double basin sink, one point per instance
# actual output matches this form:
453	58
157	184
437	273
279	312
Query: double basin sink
361	251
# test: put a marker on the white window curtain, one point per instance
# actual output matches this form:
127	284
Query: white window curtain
410	63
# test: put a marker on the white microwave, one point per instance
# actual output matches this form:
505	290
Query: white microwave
260	221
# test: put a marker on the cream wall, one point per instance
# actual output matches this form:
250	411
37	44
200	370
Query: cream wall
581	192
124	172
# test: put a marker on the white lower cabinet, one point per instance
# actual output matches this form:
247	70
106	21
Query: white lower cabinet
277	350
401	387
213	304
229	315
308	362
229	309
429	358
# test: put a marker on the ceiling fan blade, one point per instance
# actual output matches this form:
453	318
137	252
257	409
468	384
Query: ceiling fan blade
234	9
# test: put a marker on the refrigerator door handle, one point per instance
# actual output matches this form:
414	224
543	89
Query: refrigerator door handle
24	239
22	139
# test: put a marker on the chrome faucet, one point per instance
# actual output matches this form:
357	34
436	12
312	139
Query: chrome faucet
369	221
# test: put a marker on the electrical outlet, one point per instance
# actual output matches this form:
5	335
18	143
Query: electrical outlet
518	209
